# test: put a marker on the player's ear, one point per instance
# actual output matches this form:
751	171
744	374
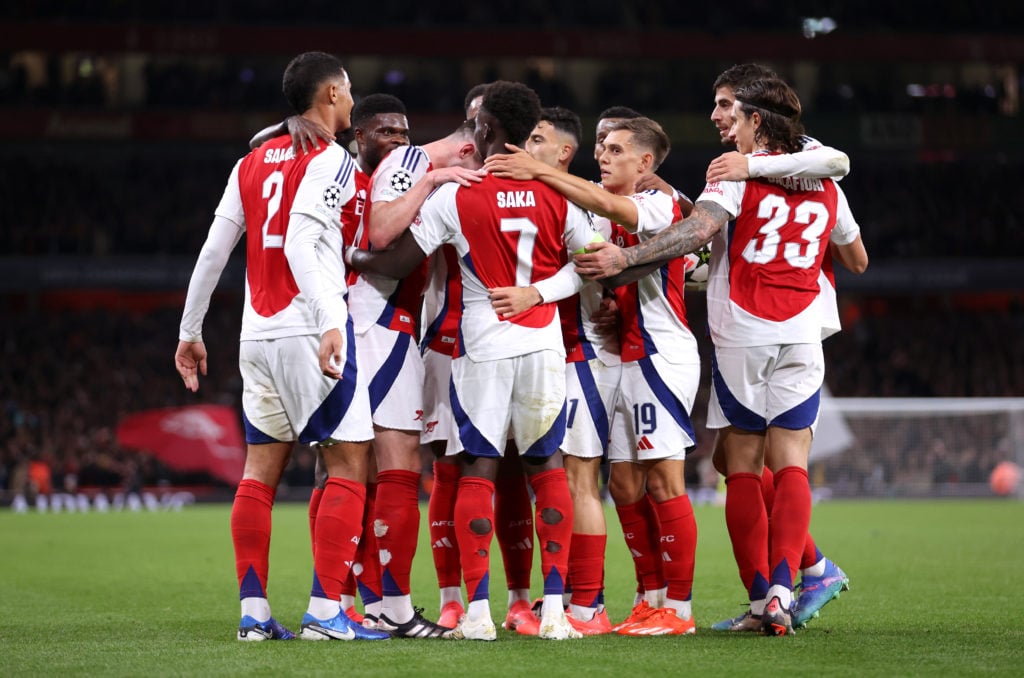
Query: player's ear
646	162
466	150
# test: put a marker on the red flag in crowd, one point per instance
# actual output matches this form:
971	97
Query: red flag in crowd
198	438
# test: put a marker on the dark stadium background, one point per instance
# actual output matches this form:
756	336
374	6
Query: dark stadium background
120	122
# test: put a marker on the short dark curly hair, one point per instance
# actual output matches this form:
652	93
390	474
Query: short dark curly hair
515	106
375	104
304	75
474	92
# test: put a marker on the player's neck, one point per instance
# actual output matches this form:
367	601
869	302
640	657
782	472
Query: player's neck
437	152
323	115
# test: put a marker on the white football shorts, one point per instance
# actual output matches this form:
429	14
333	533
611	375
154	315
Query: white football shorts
760	386
525	394
591	393
652	418
285	396
438	420
392	361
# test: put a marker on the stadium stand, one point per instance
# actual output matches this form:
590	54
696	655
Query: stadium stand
114	155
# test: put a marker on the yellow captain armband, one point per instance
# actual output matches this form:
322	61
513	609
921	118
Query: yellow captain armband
597	238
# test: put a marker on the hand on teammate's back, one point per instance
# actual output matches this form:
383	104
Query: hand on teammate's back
307	133
731	166
510	301
653	182
460	175
516	164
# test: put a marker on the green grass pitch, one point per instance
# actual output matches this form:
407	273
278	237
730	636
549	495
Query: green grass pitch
934	592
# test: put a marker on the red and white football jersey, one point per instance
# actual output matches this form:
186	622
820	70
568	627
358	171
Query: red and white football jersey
764	283
352	227
385	301
653	309
505	233
265	188
442	302
582	342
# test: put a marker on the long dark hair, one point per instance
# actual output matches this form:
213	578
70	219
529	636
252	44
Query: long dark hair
779	108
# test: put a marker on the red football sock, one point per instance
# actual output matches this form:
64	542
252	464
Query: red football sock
250	533
513	523
656	580
397	525
349	585
747	521
768	489
791	517
474	506
314	506
586	568
811	554
646	555
441	513
678	544
768	493
553	519
338	525
368	577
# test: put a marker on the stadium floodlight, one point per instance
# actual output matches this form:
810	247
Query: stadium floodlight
812	26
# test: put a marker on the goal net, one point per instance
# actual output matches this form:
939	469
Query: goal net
914	447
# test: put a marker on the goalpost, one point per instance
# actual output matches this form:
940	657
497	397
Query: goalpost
915	447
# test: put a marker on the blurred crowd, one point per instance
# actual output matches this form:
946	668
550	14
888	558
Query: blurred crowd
908	16
69	376
931	347
127	202
90	82
160	201
951	453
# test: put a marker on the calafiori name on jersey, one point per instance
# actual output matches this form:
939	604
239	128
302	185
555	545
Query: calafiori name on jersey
798	183
516	199
276	155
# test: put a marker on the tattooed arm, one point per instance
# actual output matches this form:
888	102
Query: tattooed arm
603	260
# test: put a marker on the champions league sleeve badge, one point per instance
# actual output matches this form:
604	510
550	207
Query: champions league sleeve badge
401	181
332	196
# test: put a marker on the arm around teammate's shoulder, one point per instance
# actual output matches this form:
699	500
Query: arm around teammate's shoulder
397	261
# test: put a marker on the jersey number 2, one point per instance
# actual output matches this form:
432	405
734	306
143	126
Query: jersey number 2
272	194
